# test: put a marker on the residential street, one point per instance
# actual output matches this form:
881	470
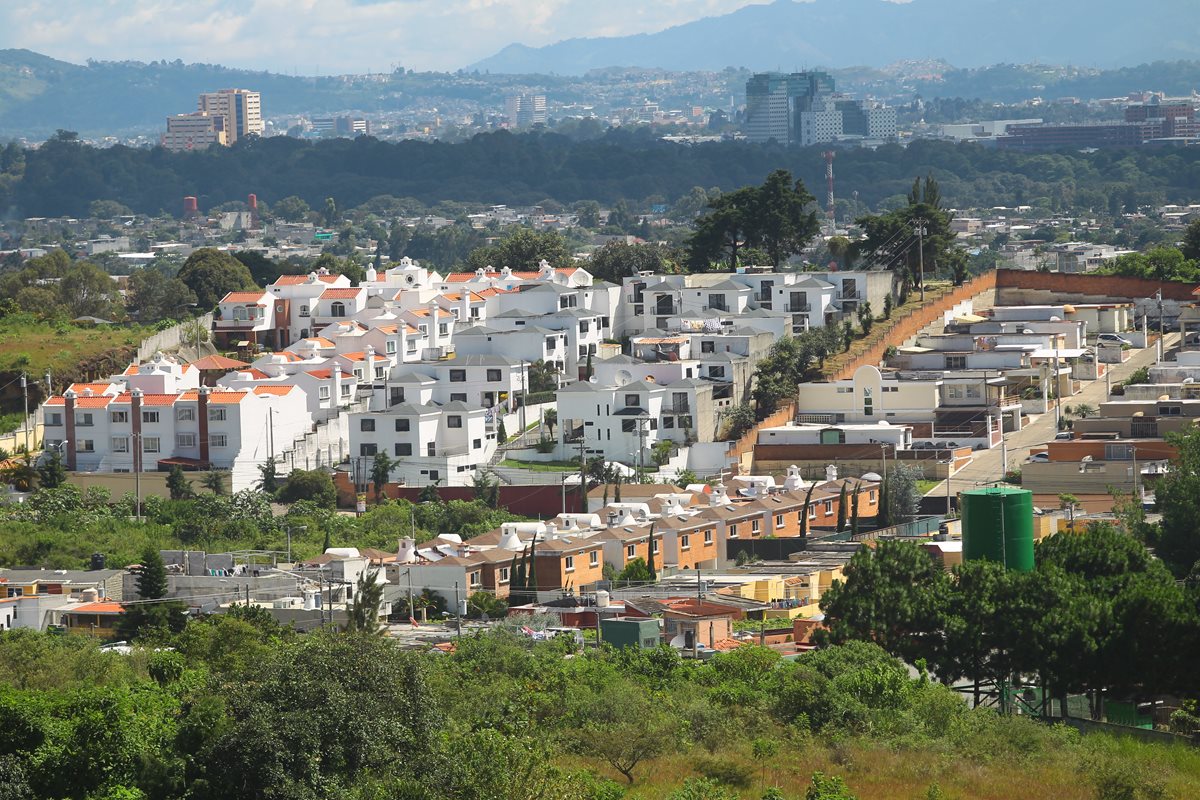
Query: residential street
985	467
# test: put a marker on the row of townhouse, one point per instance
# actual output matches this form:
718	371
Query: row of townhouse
679	532
156	415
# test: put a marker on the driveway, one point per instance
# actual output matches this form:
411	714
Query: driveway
985	466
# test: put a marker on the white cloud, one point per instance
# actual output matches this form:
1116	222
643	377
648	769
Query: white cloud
331	36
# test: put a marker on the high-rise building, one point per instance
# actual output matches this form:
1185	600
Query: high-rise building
773	100
194	131
802	108
525	110
240	107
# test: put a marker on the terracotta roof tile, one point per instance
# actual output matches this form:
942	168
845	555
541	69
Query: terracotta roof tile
97	607
295	280
346	292
279	391
224	398
243	297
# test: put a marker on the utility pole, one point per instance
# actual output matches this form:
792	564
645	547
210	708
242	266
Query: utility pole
524	394
1162	345
582	474
642	422
25	398
412	613
921	255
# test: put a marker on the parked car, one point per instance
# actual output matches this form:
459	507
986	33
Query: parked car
1038	458
1113	338
1063	435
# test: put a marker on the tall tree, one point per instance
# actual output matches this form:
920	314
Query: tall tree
211	274
785	217
150	613
364	611
1178	497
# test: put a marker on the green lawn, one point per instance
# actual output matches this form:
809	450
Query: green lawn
925	487
33	346
541	466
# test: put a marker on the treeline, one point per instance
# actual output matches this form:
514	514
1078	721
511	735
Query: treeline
63	176
235	706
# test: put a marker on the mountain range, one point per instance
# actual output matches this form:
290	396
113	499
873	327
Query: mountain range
791	35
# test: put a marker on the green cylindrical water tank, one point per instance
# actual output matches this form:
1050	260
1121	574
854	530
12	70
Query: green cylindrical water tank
997	524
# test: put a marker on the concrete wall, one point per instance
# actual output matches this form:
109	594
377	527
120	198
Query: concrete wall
1020	287
118	483
171	338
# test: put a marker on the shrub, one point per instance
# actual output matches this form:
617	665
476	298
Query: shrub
726	772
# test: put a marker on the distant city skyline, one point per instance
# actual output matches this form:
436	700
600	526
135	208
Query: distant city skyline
327	36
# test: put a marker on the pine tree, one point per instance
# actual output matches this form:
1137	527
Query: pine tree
364	612
178	484
854	510
51	472
650	556
841	517
325	547
140	619
807	504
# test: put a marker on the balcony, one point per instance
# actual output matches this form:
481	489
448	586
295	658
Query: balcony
679	408
853	294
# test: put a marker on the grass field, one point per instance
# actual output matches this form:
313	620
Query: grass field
541	466
1091	767
35	346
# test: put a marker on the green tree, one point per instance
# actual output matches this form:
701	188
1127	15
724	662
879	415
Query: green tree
211	274
865	318
785	217
893	595
636	571
290	209
150	613
828	787
214	481
364	610
315	486
1191	241
178	485
331	214
156	297
480	604
85	290
51	472
522	249
268	481
1178	498
486	489
381	473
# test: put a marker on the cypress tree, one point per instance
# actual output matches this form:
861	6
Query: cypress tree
650	556
841	517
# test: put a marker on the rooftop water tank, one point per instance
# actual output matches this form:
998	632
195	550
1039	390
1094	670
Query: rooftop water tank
997	524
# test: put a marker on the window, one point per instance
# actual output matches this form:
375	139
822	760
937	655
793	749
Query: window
120	417
218	440
570	564
668	422
403	425
956	362
1118	452
708	537
367	449
778	521
733	532
323	392
476	443
502	574
396	396
366	425
871	497
458	397
473	578
390	346
337	309
184	414
630	551
707	347
458	376
185	441
150	444
632	400
584	328
87	446
868	403
378	373
754	526
717	301
216	415
454	421
685	542
84	419
551	345
304	311
120	444
812	511
594	558
54	419
345	390
1169	411
828	507
716	372
493	376
628	426
657	546
150	416
443	329
402	449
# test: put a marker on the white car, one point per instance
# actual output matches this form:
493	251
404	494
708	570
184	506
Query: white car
1113	338
1038	458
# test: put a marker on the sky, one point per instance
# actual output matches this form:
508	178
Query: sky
326	36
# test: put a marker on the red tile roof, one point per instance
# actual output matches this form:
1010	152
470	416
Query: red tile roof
215	362
344	292
97	388
97	607
226	397
279	391
243	297
295	280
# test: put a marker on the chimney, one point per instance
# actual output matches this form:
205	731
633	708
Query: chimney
135	419
551	530
369	367
69	421
464	313
612	519
433	325
335	391
202	421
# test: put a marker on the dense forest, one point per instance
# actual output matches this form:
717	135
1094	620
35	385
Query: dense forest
64	176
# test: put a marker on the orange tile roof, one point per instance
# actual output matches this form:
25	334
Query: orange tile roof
410	329
97	388
420	312
460	277
343	292
93	402
725	645
359	356
242	297
257	374
278	391
320	341
224	398
96	607
323	374
287	355
218	362
132	369
57	400
567	270
388	328
295	280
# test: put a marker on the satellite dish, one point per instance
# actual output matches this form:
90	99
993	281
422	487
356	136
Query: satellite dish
624	376
872	476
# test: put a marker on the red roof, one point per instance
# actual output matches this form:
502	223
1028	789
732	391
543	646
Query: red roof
295	280
243	297
149	399
97	388
275	390
226	397
82	402
97	607
345	292
216	362
323	374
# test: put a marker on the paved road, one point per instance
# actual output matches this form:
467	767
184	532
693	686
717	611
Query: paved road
985	465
